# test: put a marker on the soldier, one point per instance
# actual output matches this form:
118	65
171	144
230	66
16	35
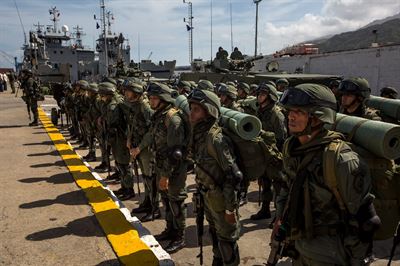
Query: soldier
217	178
205	85
253	89
114	125
315	216
354	92
273	120
282	84
221	54
170	136
31	95
184	87
243	90
228	97
81	108
139	120
334	86
389	92
89	119
236	54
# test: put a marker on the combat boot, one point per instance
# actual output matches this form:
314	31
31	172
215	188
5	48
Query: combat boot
84	144
101	167
145	206
90	157
33	123
263	213
128	194
113	177
149	216
119	192
167	234
176	244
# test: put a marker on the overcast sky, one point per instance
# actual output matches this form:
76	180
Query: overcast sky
159	23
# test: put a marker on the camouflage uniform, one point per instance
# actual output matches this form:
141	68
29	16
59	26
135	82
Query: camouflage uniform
170	136
214	177
89	119
308	208
230	92
139	119
115	126
31	95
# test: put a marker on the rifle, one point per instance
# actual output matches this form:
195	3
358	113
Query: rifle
396	241
198	203
136	172
278	245
28	107
153	196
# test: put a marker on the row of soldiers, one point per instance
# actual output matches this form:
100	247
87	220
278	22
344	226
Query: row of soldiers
139	124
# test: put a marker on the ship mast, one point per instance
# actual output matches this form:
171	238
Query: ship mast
189	28
55	13
78	36
103	20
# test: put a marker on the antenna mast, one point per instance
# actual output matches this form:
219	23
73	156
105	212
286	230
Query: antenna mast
189	27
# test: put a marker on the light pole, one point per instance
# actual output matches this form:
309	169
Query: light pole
189	27
255	42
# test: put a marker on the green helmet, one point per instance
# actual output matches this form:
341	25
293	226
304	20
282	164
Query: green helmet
390	92
106	88
205	85
185	85
356	86
282	81
208	99
315	98
253	88
110	80
83	84
193	84
268	88
161	90
133	86
228	90
244	86
93	87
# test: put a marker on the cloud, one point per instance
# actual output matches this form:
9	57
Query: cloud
336	16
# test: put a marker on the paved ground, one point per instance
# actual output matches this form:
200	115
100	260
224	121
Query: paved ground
45	220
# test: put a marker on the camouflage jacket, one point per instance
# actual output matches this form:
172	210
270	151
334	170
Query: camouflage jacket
211	173
30	88
139	120
364	112
273	120
168	132
234	106
321	210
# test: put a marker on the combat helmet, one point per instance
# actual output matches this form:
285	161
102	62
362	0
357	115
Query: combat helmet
93	87
314	98
228	90
390	92
184	85
244	86
208	99
83	84
133	86
106	88
268	88
356	86
282	81
205	85
161	90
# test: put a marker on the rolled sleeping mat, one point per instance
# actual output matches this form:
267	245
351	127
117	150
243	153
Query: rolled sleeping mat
379	138
250	102
388	107
244	125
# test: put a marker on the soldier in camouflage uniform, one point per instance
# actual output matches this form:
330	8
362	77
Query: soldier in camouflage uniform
139	119
327	224
184	87
243	90
273	120
170	136
217	178
389	92
282	84
228	97
81	108
89	119
354	92
115	126
30	95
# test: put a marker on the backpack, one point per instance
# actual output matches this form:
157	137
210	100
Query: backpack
385	185
254	156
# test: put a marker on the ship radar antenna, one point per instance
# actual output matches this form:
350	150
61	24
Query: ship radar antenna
55	17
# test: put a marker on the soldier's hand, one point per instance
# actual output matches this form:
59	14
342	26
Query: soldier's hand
230	217
135	152
277	224
163	184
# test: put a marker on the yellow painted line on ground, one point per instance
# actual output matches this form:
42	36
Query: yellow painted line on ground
121	234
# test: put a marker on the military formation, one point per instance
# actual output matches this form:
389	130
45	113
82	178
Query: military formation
138	126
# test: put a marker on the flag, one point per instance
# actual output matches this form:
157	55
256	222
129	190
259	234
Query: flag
188	28
97	25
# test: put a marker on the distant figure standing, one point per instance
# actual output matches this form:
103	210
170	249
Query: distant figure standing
221	54
236	54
